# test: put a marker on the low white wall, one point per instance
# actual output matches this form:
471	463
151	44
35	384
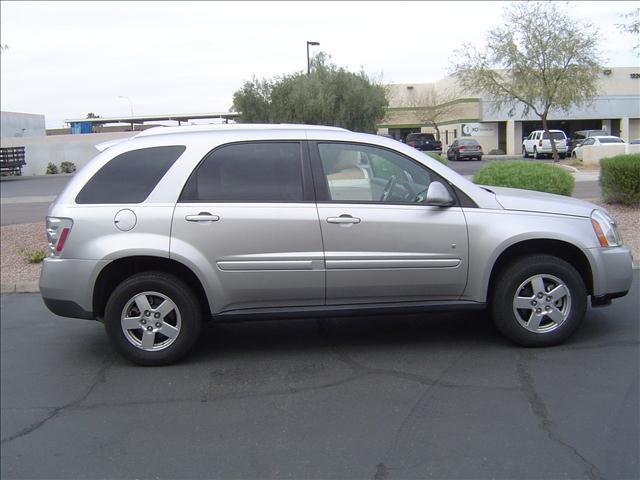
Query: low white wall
592	154
79	149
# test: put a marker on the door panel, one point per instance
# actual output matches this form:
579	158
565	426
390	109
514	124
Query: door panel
385	244
261	255
395	253
246	214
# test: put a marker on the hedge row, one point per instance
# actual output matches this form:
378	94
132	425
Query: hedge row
620	179
528	175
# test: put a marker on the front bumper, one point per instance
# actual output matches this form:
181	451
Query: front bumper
612	273
66	286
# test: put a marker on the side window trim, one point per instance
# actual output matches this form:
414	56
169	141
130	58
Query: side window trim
308	195
322	188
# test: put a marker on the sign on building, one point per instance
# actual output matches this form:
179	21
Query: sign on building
478	129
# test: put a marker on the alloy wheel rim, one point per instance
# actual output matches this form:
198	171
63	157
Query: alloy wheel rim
542	303
150	321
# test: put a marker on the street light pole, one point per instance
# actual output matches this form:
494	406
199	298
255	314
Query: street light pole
130	106
308	65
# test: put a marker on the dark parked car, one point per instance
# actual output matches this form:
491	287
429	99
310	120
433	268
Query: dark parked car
424	142
464	149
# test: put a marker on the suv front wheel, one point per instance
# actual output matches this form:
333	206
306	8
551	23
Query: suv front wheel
153	318
538	301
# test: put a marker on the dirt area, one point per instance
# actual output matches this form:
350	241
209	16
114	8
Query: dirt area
14	240
28	237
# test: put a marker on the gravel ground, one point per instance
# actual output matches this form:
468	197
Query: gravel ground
14	239
32	236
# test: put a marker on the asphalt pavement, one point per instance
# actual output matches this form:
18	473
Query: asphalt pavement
441	396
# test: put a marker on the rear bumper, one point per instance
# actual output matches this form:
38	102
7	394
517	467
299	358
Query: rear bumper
548	151
66	286
470	154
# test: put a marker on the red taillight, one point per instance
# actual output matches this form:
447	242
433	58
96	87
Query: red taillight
412	144
63	238
461	148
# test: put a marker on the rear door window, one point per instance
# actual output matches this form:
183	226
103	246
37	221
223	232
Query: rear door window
248	172
130	177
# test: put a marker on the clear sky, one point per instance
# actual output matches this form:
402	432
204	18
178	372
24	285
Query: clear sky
66	59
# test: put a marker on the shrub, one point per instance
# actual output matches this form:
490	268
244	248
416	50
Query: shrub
527	175
495	151
620	179
437	156
67	167
52	168
33	256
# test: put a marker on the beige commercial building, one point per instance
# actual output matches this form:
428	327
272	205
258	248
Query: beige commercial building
616	109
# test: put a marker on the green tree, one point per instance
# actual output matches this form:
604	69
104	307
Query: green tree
328	95
92	115
540	58
632	28
432	107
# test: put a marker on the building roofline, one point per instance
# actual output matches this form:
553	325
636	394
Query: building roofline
149	118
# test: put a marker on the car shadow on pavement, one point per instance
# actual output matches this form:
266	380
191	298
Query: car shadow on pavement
440	331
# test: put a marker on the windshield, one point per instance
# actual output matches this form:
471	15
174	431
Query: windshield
554	135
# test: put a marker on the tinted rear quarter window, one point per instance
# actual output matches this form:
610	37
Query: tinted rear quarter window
248	172
131	176
610	140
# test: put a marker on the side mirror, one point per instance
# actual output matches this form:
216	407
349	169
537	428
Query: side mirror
438	195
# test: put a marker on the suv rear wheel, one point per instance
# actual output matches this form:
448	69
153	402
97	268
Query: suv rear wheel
153	318
539	300
524	152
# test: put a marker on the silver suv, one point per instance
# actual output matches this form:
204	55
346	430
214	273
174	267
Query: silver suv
183	224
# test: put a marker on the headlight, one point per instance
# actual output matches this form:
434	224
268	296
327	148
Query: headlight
606	229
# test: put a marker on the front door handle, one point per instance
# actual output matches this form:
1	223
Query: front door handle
343	220
202	217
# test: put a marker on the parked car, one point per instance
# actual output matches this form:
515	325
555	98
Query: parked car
464	149
635	142
537	144
178	225
578	152
424	142
580	136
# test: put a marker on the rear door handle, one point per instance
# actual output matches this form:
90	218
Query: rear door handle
202	217
343	219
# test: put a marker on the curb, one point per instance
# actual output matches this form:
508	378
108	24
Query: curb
21	287
33	287
570	168
13	178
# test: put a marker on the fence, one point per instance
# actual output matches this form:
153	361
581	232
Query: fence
12	160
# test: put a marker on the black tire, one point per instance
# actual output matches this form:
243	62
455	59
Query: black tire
507	286
524	152
457	157
562	156
187	307
536	155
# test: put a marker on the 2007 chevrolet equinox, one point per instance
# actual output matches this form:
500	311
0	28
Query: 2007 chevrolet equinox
178	225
